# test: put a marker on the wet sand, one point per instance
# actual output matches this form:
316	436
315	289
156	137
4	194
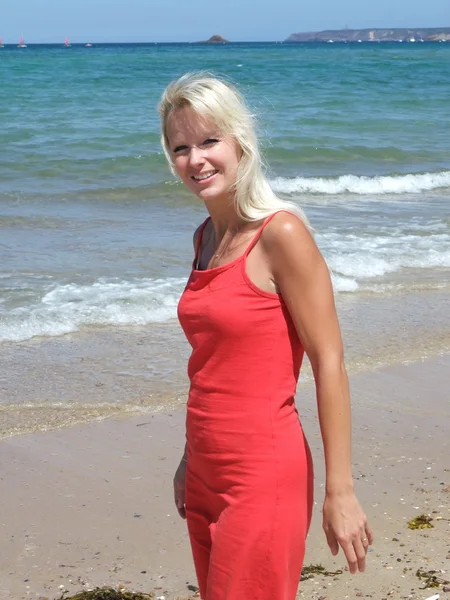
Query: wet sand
92	504
49	382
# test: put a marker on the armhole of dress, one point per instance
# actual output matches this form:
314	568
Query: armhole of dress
199	243
259	232
250	283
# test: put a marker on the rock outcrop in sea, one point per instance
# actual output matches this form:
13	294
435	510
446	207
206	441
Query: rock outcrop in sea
215	39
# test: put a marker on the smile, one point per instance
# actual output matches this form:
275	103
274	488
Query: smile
204	176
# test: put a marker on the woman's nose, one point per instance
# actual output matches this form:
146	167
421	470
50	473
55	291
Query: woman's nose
196	156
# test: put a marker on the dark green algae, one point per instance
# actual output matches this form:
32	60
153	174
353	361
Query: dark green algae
308	572
107	594
112	594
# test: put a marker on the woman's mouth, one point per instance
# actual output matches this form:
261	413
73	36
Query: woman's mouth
203	177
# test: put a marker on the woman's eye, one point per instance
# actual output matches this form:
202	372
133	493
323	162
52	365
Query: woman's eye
184	148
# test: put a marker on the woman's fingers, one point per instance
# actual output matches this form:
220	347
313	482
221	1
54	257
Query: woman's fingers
179	497
356	550
346	525
350	555
360	547
179	503
369	534
332	541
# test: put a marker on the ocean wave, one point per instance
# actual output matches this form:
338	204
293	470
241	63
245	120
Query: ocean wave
363	258
361	266
66	308
359	262
344	284
362	185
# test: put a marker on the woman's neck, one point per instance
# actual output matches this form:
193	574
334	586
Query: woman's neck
225	220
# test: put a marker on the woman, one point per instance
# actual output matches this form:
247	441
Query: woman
258	297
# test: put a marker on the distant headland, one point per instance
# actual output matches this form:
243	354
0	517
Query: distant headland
425	34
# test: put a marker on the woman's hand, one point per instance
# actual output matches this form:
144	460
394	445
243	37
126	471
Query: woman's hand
345	525
179	484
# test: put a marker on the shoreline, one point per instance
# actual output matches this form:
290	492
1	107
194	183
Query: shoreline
92	504
99	372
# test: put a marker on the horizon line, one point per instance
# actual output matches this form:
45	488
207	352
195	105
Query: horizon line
203	43
87	41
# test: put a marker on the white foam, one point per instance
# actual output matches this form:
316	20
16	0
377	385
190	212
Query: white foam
398	184
362	257
360	266
360	260
344	284
66	308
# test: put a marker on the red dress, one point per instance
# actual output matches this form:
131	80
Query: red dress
249	481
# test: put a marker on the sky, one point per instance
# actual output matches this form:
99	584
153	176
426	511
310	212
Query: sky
195	20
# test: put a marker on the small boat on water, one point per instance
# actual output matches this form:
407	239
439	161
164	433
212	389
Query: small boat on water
22	43
88	45
67	43
1	43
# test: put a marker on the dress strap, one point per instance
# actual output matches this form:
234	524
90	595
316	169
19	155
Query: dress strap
259	232
198	245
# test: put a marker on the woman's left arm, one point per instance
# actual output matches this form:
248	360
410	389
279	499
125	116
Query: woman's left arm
302	277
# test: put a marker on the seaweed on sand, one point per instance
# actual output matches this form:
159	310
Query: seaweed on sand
111	594
107	594
432	580
420	522
311	570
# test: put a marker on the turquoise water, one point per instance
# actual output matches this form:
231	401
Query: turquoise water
82	119
358	134
97	236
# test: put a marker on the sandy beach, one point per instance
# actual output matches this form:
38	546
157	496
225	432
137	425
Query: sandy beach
96	248
91	505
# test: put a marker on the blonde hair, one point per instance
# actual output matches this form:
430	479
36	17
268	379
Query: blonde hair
216	99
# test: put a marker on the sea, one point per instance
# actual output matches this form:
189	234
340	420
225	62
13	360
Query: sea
96	234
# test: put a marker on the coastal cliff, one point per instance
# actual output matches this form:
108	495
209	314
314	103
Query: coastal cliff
441	34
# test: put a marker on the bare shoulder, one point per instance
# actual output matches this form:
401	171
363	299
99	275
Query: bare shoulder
287	235
293	255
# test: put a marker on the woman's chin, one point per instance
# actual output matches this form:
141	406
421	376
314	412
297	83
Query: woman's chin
209	195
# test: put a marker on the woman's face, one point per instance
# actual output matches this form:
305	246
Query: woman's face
205	159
